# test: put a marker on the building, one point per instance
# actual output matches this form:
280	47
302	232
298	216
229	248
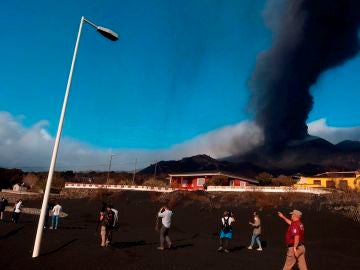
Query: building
342	180
19	188
197	180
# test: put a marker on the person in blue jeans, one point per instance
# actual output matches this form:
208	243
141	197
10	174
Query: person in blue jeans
55	216
256	224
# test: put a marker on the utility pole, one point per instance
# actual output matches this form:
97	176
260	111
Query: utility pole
133	180
155	171
108	174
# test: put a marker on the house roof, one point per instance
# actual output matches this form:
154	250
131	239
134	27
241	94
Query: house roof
337	174
189	174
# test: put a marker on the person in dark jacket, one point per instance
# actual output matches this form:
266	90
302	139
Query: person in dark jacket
49	207
3	204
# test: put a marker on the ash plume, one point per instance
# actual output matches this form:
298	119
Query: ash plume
310	37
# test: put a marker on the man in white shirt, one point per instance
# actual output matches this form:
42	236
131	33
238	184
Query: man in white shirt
17	211
165	214
55	216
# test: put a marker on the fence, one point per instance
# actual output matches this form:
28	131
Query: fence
268	189
118	187
209	188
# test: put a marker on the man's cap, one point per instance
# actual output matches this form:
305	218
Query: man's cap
296	212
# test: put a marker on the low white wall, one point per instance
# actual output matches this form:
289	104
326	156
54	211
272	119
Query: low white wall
209	188
268	189
118	187
18	192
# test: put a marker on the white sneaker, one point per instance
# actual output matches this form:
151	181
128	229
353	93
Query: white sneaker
250	247
259	249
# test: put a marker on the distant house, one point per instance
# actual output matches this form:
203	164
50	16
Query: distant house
18	187
332	180
197	180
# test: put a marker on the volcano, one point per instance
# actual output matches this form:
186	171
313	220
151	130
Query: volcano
310	156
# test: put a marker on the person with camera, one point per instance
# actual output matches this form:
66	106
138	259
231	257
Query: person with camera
294	239
56	210
226	232
165	214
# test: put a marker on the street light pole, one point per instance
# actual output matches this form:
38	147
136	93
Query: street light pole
155	170
133	180
112	36
108	174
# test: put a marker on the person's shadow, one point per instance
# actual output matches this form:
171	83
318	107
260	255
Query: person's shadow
59	248
121	245
237	248
11	233
185	245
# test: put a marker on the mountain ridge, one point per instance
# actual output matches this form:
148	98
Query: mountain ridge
310	156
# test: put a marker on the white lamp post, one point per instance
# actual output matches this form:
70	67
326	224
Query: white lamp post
110	160
112	36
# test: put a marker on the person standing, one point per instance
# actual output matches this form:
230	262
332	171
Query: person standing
17	211
55	216
165	214
3	204
49	208
102	226
226	232
113	225
294	239
256	224
106	221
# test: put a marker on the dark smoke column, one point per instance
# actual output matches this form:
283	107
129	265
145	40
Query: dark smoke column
311	37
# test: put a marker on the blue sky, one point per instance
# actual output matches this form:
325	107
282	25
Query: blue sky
178	73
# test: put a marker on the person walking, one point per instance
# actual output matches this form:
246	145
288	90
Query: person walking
256	224
56	210
3	204
294	239
165	214
17	211
226	231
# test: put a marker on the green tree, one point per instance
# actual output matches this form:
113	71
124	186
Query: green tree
30	180
264	178
284	180
218	180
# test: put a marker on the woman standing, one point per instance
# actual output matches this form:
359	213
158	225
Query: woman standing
256	224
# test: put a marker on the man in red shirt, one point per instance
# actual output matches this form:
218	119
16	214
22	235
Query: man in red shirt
294	239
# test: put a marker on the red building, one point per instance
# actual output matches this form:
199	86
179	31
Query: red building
197	180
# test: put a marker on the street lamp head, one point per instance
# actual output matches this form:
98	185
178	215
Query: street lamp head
107	33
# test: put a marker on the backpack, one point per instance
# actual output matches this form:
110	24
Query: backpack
226	227
116	225
109	218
